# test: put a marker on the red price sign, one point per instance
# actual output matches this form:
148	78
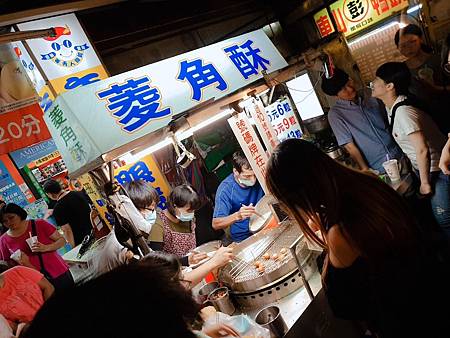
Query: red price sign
21	128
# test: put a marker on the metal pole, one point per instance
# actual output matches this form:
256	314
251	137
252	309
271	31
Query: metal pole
293	248
26	35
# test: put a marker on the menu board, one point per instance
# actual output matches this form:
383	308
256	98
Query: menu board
375	48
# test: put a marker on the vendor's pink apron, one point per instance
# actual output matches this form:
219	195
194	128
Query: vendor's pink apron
178	243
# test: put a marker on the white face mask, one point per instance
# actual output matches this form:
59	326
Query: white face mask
247	183
187	217
151	217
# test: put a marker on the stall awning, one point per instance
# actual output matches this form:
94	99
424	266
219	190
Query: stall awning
92	121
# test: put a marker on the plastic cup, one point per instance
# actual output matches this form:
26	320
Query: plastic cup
32	240
392	170
16	255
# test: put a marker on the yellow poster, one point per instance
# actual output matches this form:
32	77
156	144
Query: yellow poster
145	169
95	196
352	16
75	80
46	158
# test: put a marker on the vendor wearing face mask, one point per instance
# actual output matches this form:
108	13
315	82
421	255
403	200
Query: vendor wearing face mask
236	198
175	226
145	198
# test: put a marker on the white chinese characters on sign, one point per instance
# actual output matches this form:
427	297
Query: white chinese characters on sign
251	146
265	129
283	120
28	126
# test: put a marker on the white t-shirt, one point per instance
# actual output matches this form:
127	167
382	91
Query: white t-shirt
108	255
410	119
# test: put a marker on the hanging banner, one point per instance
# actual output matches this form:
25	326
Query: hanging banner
68	60
148	170
282	117
21	119
120	109
12	187
265	129
352	16
251	146
76	147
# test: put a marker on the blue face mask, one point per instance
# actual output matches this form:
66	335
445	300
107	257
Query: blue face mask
187	217
151	217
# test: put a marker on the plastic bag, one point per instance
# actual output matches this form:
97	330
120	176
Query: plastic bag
242	324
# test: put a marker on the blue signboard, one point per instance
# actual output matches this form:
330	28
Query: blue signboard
9	190
26	155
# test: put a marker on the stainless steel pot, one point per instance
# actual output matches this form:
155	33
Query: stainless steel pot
205	290
334	152
222	304
251	287
270	318
242	276
316	124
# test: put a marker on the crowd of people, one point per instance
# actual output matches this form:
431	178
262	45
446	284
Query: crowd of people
384	266
402	117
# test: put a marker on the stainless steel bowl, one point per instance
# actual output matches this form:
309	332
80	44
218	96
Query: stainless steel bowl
256	223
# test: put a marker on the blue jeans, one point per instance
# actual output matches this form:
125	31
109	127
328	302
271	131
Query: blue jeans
440	201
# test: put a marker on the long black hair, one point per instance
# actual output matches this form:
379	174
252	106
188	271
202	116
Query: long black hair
314	187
